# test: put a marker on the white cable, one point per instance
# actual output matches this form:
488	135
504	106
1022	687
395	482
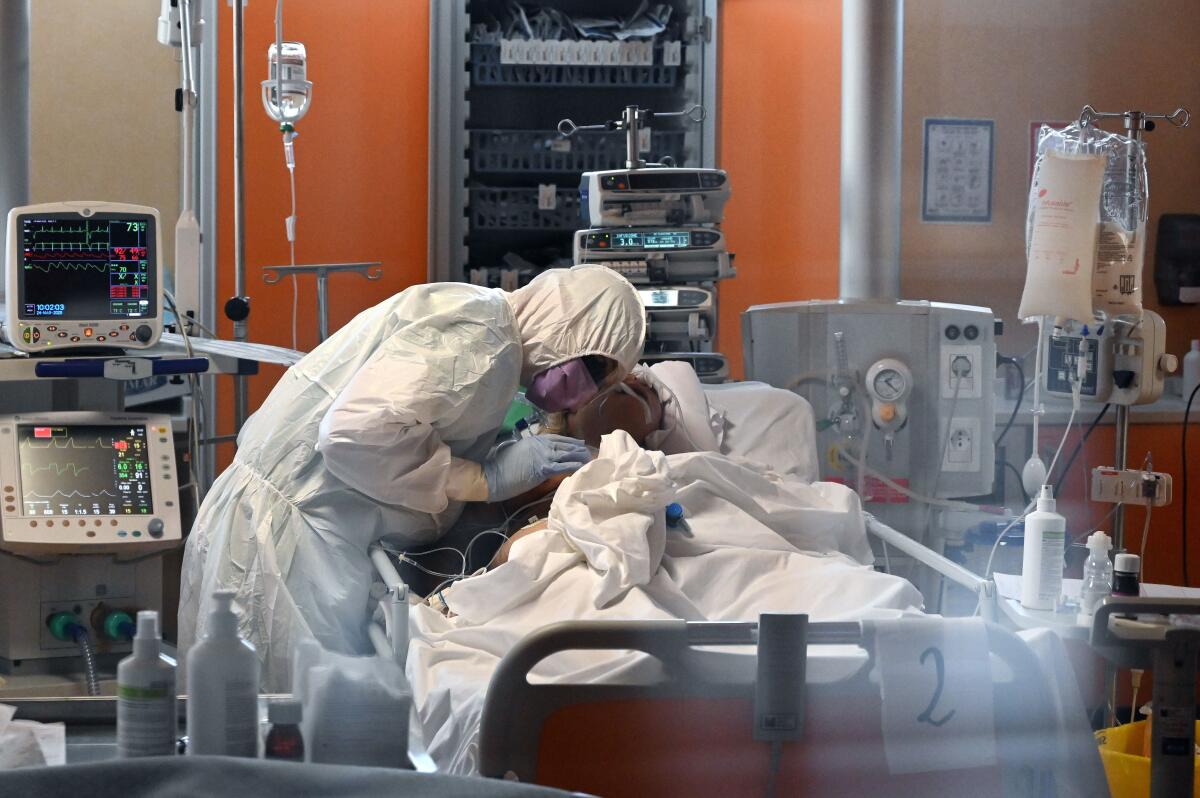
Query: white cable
987	571
1037	408
945	447
1145	533
291	225
289	158
1058	451
946	503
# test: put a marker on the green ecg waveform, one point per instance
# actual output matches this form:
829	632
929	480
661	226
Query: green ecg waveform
58	470
62	265
86	230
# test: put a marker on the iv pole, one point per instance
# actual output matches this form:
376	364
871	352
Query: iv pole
1137	124
237	307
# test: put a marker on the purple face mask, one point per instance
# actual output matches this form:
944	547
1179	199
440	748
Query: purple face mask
562	388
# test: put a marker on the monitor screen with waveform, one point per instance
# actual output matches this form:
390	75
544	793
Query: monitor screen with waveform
84	470
97	268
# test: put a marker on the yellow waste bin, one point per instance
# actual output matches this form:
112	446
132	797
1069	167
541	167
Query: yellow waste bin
1128	771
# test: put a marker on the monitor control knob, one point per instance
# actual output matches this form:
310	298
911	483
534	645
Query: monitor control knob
144	333
155	527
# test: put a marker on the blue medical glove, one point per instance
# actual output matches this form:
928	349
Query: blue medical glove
523	465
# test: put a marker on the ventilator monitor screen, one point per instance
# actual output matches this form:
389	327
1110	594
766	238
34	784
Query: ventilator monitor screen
84	470
91	268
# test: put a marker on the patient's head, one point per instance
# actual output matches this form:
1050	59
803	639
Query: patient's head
634	407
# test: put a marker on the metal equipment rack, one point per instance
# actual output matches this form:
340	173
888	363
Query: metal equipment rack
493	140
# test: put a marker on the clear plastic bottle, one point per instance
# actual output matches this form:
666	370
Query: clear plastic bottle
1097	575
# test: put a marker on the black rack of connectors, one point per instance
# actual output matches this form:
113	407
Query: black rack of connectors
504	183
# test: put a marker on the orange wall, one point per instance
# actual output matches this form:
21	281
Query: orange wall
362	150
780	110
360	165
1163	562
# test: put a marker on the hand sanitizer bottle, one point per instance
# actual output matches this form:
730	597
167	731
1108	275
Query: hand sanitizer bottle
222	681
1042	559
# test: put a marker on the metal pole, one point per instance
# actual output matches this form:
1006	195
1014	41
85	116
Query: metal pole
322	305
239	203
14	107
632	156
872	108
1122	445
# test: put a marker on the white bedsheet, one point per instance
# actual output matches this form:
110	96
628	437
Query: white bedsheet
755	542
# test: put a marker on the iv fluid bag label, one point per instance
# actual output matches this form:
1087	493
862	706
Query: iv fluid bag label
146	720
1117	283
1062	241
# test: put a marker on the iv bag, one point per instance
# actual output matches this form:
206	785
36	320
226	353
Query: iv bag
1062	236
1123	205
1123	211
286	94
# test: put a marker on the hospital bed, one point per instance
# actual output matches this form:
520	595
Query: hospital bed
693	733
508	720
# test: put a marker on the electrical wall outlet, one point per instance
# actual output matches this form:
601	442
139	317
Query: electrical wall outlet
962	364
963	447
1131	486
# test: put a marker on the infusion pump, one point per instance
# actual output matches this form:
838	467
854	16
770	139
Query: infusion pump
82	274
657	196
88	483
655	255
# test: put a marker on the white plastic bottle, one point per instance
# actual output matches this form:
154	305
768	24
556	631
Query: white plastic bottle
222	682
1191	369
1097	575
146	695
1042	560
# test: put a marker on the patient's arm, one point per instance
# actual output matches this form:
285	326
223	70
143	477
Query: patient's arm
502	555
535	501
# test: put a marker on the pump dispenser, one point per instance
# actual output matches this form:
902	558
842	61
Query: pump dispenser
1042	560
146	695
222	680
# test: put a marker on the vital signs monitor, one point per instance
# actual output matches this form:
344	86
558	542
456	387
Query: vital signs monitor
83	482
82	274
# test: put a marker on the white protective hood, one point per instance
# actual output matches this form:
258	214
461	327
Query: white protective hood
564	314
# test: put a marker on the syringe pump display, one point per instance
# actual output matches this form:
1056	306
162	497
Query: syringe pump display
82	275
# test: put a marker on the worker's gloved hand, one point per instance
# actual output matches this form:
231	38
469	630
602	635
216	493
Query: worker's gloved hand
525	464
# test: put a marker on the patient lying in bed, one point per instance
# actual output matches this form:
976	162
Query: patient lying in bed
663	408
756	540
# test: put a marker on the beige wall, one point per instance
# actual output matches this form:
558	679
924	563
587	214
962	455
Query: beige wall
104	125
1016	61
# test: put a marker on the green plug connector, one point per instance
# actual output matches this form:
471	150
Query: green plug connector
118	625
61	625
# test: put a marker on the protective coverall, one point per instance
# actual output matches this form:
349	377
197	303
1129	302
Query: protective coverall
360	440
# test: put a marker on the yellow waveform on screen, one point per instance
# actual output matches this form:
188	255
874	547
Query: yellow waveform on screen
58	470
66	443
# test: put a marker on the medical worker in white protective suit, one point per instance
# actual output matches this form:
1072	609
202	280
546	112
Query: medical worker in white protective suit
383	431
